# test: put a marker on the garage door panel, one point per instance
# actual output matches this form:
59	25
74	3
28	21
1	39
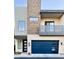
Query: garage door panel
44	46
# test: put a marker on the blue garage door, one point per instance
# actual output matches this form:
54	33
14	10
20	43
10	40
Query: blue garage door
45	46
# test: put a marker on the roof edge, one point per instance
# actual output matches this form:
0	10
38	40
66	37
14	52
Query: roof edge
52	11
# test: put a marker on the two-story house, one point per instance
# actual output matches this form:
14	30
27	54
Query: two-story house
38	31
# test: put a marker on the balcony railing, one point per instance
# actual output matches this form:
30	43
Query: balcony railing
51	30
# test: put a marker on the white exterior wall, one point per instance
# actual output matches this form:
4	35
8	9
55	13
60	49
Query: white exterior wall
20	15
29	45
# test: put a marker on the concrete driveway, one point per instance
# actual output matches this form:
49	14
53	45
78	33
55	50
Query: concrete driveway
39	58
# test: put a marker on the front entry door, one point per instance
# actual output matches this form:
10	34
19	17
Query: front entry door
24	45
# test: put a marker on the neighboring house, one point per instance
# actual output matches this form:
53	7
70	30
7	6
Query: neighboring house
38	31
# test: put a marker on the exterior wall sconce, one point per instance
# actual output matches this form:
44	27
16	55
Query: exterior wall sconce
61	43
29	53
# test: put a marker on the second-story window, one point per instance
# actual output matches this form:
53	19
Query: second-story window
21	25
33	19
49	26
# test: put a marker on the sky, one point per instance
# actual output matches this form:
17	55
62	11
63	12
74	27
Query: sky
20	2
45	4
52	4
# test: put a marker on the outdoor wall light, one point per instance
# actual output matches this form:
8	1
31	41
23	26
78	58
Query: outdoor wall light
61	43
29	53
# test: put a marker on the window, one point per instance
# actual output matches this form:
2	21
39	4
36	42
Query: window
19	44
22	26
33	19
49	26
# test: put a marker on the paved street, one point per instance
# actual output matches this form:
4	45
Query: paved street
39	58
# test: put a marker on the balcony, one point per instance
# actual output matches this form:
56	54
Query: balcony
48	30
20	34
